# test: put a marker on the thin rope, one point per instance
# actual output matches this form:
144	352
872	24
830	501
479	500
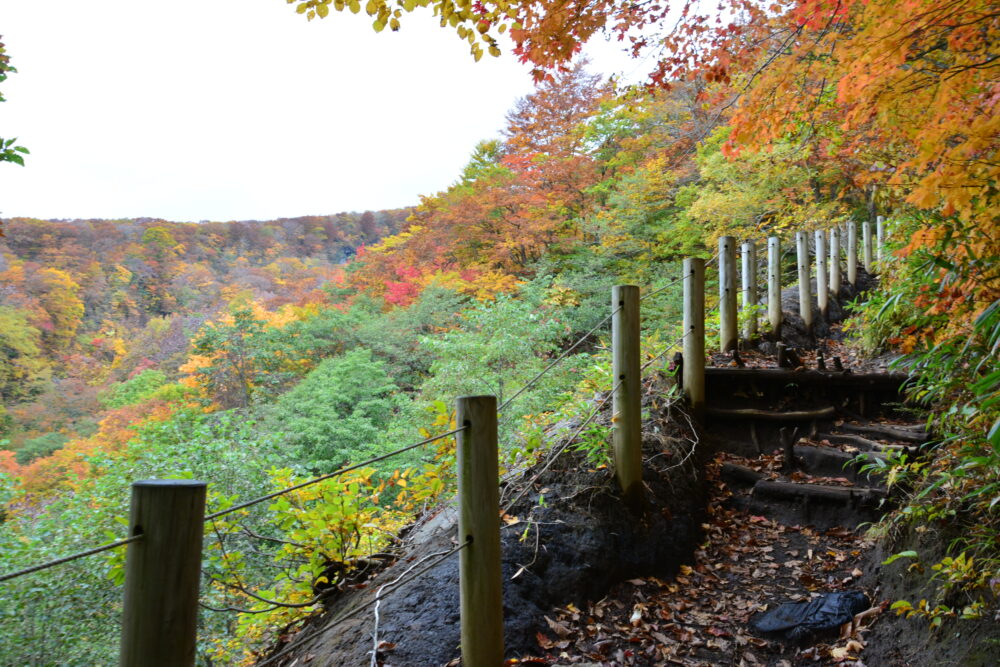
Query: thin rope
559	450
664	352
336	473
562	356
354	611
660	289
378	596
67	559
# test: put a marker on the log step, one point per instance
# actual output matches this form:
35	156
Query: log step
844	495
864	444
886	431
826	412
836	463
734	472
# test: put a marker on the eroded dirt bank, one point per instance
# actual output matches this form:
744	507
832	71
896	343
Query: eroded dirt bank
568	539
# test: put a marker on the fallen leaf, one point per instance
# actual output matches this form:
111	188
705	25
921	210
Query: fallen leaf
558	628
636	618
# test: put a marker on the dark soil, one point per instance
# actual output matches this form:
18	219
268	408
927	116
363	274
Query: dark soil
900	642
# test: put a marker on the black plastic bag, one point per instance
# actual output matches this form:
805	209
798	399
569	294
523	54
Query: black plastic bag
798	620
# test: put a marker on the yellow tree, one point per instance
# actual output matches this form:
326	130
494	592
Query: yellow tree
58	295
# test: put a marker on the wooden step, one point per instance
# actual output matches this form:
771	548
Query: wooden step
845	495
889	431
826	412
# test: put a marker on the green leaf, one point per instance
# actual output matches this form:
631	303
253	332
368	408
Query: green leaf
901	554
994	436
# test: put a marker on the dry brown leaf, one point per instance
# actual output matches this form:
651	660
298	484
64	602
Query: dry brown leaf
559	628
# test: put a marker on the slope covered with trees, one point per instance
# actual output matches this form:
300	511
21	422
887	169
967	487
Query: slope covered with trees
251	355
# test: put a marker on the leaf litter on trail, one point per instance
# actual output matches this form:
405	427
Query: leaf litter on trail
746	565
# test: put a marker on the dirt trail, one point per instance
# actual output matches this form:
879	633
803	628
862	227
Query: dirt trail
777	530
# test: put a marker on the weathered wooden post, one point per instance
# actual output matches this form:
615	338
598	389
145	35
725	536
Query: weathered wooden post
805	289
866	244
162	573
627	396
694	334
879	237
749	257
480	583
834	262
774	286
822	294
728	338
852	253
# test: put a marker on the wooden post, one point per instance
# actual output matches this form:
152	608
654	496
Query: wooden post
694	334
879	237
822	295
805	289
834	263
162	573
866	244
749	257
852	253
628	395
728	338
480	582
774	286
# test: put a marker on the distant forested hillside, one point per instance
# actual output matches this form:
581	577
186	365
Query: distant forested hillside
85	303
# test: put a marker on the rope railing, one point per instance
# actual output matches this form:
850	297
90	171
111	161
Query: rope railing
395	585
667	349
67	559
566	443
336	473
558	360
234	508
658	290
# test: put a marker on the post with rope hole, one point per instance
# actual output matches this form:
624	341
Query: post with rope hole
852	253
834	262
694	335
480	581
866	245
749	257
805	289
774	286
879	237
162	573
728	339
627	412
822	295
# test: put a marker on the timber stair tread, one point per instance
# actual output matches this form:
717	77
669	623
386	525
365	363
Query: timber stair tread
825	478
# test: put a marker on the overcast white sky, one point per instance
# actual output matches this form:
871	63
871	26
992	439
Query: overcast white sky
238	109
